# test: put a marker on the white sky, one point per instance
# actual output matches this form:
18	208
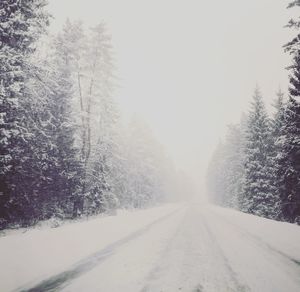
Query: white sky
189	67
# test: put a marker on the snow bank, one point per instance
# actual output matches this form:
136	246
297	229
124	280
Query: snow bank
282	237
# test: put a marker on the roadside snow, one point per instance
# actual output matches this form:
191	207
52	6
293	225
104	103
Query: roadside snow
261	253
27	258
282	237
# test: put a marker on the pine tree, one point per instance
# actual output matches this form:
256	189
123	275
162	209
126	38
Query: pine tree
144	165
289	162
99	122
289	159
225	174
275	149
21	23
62	183
258	196
69	64
289	156
89	58
216	176
233	168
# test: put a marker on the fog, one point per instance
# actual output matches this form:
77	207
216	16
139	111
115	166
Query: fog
189	68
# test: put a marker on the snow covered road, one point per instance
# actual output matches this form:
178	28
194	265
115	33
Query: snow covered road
172	248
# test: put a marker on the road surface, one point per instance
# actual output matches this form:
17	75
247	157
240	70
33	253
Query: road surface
191	248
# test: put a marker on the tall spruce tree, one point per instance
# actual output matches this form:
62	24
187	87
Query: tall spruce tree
143	170
258	197
101	121
216	182
70	48
63	175
275	149
226	171
234	170
289	162
21	23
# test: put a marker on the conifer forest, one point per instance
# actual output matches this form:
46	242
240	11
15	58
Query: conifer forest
64	150
256	169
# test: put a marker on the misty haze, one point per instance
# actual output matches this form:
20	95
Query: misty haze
150	146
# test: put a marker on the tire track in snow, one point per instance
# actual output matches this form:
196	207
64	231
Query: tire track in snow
261	266
259	241
193	261
238	286
59	281
157	269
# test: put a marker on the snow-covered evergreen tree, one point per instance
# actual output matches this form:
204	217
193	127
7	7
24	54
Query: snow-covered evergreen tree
275	149
258	193
289	156
100	120
64	181
216	175
234	170
106	157
225	172
144	166
289	162
21	23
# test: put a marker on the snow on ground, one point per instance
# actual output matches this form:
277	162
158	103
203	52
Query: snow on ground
280	236
171	248
261	253
27	258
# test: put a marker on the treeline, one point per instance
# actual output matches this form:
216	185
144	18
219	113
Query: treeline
64	151
257	168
